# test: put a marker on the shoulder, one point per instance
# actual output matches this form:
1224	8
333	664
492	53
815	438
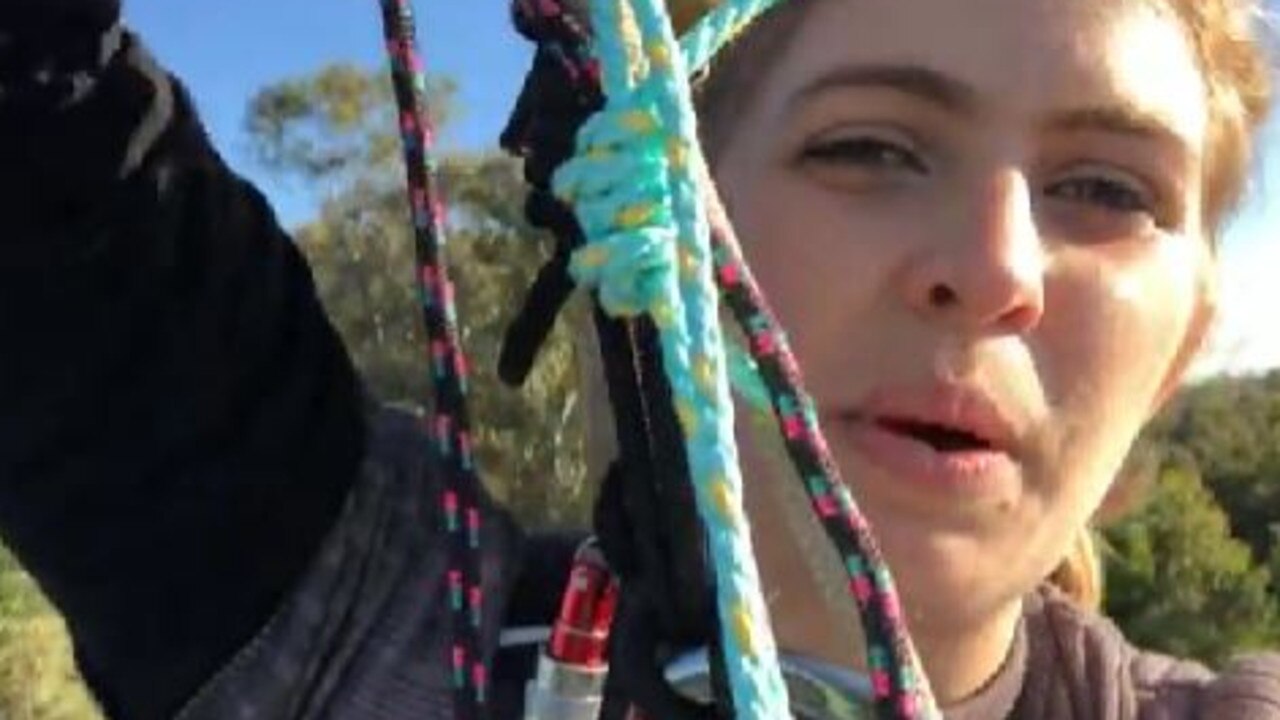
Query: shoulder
1092	661
1247	689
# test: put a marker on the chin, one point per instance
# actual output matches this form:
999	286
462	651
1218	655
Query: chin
946	576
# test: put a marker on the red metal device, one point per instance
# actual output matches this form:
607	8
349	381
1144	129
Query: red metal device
569	684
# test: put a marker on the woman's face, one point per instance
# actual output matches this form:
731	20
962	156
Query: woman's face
984	216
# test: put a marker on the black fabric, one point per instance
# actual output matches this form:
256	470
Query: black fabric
512	669
545	562
87	17
179	423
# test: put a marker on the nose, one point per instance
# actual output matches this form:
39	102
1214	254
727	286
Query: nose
984	272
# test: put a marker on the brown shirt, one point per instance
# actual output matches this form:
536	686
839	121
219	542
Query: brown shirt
1069	664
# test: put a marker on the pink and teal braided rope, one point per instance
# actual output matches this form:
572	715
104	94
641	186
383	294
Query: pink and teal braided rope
771	380
448	421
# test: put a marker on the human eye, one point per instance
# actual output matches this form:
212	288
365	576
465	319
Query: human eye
1097	202
864	152
1107	190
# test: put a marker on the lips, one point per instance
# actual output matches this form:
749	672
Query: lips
947	437
942	438
948	418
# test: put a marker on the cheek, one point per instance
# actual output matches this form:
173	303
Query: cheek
1112	328
821	262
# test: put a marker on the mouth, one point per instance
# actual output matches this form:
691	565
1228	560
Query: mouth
945	417
937	436
942	438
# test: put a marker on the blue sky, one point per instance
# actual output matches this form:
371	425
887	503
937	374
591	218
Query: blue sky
225	49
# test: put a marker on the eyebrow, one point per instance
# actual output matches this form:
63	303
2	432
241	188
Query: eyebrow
927	84
1119	120
961	98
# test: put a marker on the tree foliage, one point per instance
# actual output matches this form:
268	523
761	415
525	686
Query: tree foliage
1196	571
336	127
1179	582
326	125
1229	428
529	441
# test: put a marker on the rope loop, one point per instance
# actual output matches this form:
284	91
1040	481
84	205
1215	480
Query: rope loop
618	184
634	185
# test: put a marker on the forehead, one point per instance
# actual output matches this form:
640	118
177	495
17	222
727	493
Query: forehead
1022	57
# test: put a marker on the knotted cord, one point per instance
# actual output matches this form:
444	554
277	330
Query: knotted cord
649	251
644	517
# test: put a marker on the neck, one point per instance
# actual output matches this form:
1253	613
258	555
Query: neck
813	615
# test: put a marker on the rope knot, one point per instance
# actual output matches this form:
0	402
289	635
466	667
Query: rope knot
618	184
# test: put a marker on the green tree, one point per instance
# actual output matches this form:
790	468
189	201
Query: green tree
336	128
334	122
1178	582
1230	428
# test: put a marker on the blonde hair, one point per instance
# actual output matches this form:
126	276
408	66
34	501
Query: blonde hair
1079	575
1230	40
